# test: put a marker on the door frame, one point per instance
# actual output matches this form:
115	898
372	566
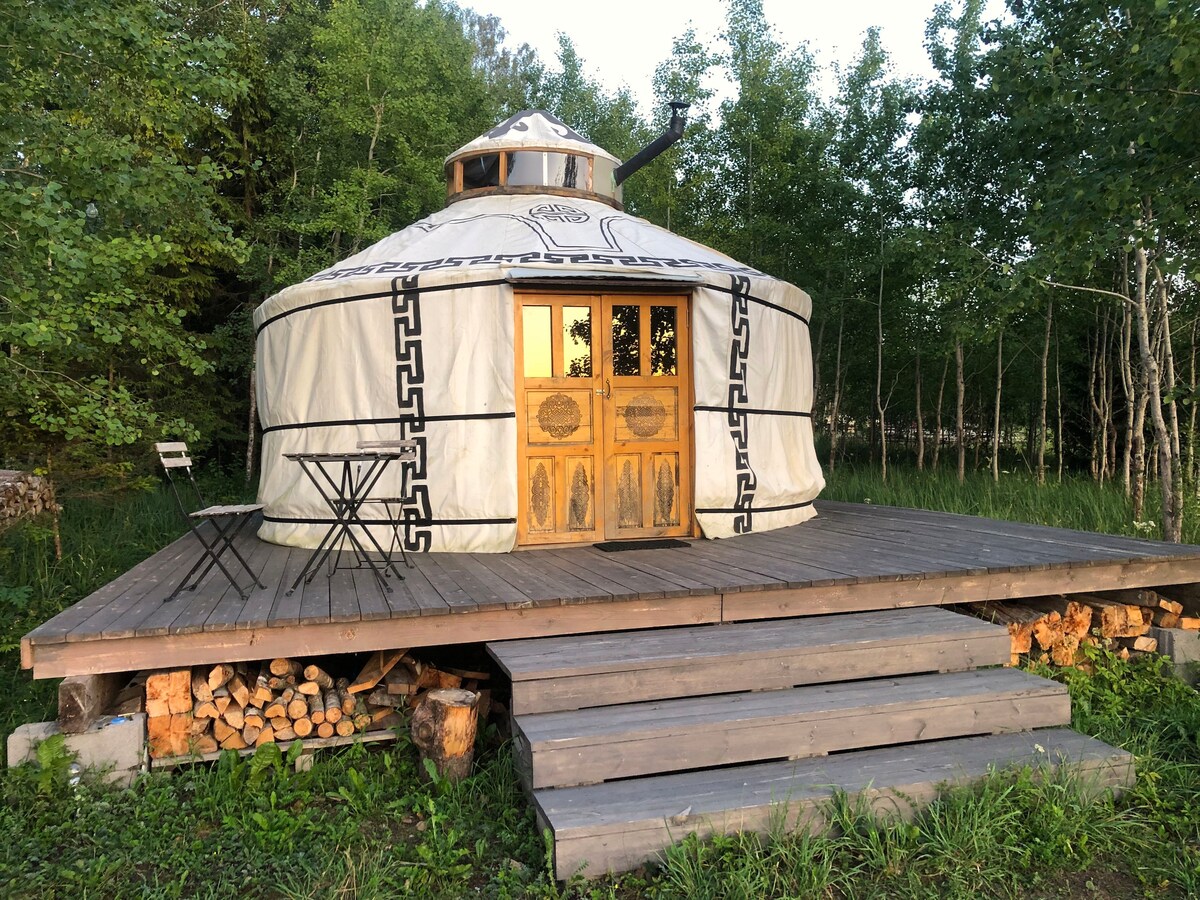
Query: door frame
604	298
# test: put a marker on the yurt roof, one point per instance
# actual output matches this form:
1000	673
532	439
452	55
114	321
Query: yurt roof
531	128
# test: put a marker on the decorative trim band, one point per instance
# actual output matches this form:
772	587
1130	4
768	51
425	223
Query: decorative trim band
394	420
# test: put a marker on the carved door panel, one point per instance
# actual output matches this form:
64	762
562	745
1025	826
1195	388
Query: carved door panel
647	434
604	440
559	395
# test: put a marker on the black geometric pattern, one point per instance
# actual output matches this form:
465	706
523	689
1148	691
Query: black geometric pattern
582	258
739	400
410	400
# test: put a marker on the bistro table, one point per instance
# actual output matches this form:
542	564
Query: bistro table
345	482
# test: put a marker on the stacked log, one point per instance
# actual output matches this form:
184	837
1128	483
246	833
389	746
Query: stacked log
25	494
1056	626
1186	600
235	706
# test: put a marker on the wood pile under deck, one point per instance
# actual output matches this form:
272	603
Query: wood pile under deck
628	742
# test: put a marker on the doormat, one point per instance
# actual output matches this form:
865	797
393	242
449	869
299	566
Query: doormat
653	544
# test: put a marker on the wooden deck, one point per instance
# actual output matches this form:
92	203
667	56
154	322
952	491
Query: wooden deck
851	557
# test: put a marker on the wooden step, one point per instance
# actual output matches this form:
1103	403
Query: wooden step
620	825
592	745
551	674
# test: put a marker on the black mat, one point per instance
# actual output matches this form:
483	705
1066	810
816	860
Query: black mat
652	544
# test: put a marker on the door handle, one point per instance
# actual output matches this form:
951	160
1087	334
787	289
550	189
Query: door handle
607	390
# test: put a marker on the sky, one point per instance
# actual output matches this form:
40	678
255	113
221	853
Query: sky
621	41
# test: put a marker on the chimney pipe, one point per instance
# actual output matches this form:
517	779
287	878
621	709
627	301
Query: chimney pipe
673	133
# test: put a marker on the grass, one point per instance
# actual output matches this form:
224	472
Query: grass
361	823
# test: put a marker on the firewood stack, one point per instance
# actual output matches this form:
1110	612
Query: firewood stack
25	494
235	706
1054	628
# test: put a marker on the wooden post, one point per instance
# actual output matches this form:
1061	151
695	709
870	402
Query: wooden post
443	729
83	698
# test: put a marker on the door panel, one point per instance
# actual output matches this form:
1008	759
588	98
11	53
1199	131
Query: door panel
603	390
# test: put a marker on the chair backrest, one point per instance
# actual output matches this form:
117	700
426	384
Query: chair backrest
174	455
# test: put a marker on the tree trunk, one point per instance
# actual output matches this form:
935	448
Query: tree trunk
1191	443
920	420
959	429
937	441
879	410
835	407
996	413
1171	516
1041	431
1058	443
1170	465
1127	382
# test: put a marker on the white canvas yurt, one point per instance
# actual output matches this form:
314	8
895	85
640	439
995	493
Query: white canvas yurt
569	372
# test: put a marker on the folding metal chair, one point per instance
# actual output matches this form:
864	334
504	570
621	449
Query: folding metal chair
408	456
226	521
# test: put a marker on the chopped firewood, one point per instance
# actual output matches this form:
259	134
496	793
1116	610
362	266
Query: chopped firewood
298	708
238	691
429	678
266	736
484	706
130	699
344	728
222	729
316	710
279	722
468	673
1143	644
277	683
275	710
169	693
205	710
400	689
250	733
443	730
284	667
377	666
219	675
222	699
1164	619
203	743
1145	597
383	697
309	689
319	675
333	706
446	680
390	719
262	692
325	730
235	717
234	742
200	689
303	726
199	726
288	694
346	698
286	733
361	721
1116	619
1190	623
254	716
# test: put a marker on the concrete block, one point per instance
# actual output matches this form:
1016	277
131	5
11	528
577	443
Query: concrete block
1183	647
115	745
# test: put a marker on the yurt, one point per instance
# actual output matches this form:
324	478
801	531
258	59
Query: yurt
569	373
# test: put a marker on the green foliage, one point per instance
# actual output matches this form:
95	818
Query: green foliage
111	226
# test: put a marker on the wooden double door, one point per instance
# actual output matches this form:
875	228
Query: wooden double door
604	437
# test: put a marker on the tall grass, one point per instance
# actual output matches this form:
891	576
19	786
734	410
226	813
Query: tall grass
1075	502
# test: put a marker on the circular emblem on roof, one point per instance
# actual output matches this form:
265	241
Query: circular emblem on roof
558	212
559	416
645	415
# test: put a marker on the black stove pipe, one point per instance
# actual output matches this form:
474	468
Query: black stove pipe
673	133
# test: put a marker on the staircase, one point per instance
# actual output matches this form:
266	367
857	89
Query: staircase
629	741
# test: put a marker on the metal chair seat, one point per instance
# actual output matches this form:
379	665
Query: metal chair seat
239	509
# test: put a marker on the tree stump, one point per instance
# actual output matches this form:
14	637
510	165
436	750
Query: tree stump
443	730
